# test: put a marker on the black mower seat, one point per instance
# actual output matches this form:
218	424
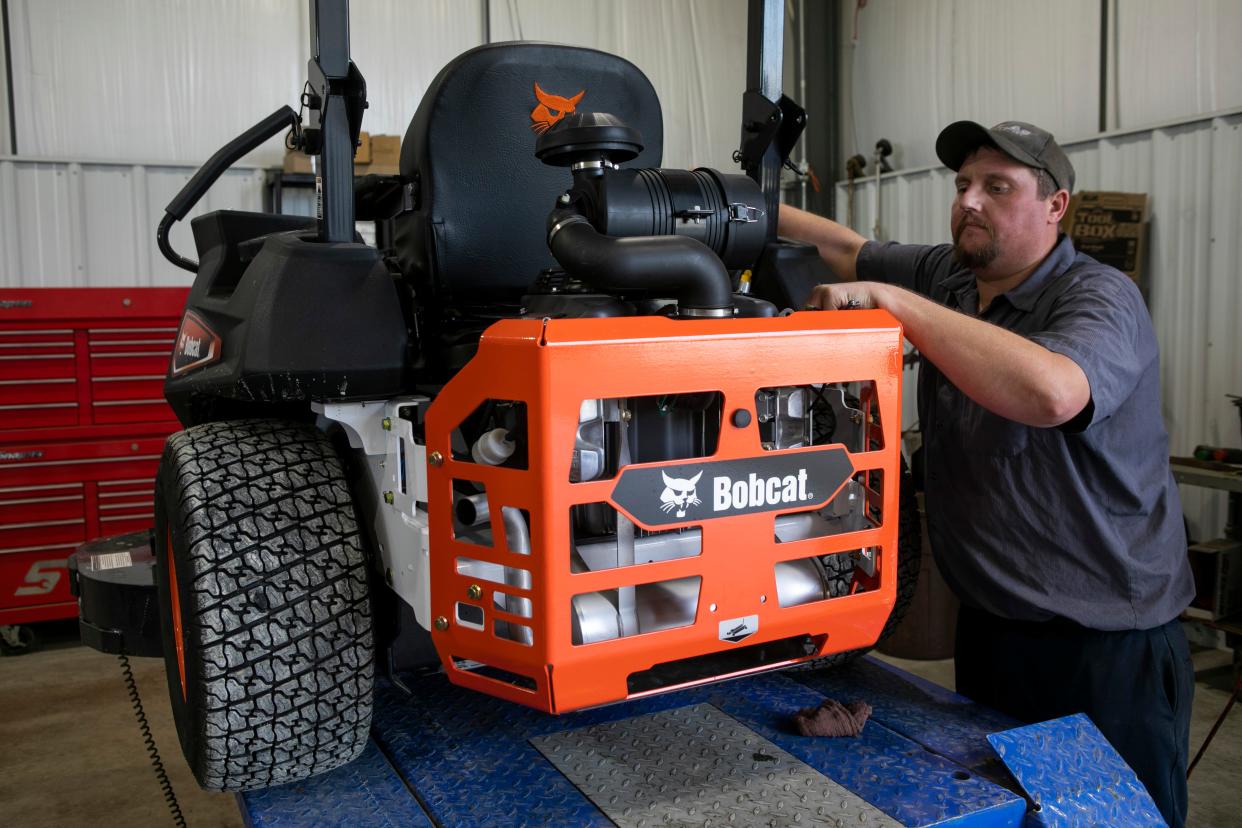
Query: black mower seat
478	236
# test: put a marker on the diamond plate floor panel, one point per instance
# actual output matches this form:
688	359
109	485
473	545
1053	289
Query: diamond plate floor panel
366	792
697	766
901	777
471	759
460	758
1074	774
944	722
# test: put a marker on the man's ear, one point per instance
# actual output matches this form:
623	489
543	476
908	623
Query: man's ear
1058	203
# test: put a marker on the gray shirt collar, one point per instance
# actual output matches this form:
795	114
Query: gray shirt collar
963	287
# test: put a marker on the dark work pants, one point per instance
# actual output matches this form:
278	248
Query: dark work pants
1135	685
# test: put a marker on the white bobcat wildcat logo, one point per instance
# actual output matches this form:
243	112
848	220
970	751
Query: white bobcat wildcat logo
679	493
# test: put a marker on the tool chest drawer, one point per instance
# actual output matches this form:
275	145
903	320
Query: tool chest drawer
82	425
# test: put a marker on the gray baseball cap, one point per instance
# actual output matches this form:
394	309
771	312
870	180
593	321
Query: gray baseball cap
1021	141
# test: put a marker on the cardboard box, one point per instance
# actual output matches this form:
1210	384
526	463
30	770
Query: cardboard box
385	155
297	162
376	155
1110	228
362	155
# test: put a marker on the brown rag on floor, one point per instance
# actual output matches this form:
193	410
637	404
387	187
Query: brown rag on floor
831	718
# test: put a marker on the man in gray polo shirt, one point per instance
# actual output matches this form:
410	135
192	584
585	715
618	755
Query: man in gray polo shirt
1051	508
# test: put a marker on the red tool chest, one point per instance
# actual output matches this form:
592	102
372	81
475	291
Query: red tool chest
82	424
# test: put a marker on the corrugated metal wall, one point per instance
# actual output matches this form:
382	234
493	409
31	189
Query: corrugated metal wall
1174	59
161	85
917	65
70	223
6	146
154	80
1192	171
149	80
694	52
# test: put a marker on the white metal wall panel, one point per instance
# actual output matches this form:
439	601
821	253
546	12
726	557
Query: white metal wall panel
1177	58
151	79
159	86
6	147
1192	172
694	52
173	81
400	46
68	223
917	66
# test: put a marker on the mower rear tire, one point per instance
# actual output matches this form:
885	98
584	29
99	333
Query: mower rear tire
263	603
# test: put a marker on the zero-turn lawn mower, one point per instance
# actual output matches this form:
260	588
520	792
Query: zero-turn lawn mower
556	442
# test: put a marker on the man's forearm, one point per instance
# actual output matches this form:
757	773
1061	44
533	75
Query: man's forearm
1001	371
838	245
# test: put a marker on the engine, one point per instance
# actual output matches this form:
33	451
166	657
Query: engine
614	433
644	241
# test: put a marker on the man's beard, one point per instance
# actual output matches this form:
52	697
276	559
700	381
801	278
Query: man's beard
978	258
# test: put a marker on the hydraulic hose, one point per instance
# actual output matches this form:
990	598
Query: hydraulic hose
684	266
207	174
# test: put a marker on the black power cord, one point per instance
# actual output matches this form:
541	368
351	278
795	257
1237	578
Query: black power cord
157	766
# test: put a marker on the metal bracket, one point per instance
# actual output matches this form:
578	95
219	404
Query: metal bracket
744	213
695	214
765	124
396	466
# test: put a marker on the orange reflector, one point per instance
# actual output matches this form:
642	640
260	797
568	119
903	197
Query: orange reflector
175	597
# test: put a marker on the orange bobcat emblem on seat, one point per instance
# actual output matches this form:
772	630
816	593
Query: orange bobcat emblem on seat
551	108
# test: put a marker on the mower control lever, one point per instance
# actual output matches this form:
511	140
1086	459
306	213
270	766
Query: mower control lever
207	174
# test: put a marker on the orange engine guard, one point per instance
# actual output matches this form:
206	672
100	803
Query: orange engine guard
552	366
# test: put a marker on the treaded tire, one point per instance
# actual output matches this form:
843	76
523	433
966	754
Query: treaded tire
271	584
909	562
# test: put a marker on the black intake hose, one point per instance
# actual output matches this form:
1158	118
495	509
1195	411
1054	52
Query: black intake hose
679	264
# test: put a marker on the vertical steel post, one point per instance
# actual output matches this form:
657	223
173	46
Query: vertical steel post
765	54
329	46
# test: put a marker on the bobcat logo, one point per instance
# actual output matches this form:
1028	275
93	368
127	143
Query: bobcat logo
679	494
551	109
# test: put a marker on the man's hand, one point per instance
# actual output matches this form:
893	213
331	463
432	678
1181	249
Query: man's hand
847	296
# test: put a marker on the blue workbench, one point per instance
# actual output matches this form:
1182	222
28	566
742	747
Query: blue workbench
449	756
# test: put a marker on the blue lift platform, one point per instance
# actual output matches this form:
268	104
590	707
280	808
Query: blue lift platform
721	754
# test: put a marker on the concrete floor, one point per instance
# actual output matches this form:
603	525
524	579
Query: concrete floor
71	753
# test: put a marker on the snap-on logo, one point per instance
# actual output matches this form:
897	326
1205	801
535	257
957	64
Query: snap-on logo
660	495
551	109
197	345
21	455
